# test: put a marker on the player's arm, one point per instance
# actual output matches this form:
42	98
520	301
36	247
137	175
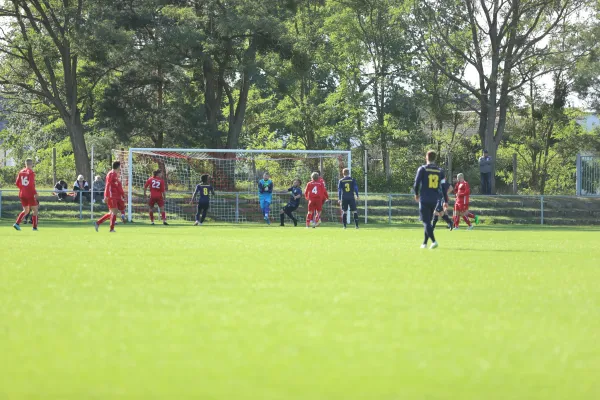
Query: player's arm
340	190
271	187
355	187
35	193
194	195
307	191
261	188
418	180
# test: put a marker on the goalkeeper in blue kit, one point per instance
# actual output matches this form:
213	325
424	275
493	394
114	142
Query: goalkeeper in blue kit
265	195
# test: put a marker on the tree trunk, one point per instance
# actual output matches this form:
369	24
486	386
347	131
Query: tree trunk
82	160
237	122
212	100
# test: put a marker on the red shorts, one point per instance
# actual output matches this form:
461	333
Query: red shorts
29	201
461	207
115	203
156	201
315	206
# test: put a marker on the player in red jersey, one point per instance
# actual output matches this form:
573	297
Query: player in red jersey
322	182
27	194
316	194
113	196
461	206
157	196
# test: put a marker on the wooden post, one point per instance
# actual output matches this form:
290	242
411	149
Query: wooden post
54	166
514	173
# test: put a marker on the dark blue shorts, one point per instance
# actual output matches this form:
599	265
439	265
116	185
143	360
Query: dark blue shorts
349	203
439	206
426	211
290	207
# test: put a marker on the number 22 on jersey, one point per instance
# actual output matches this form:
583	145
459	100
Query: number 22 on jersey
155	184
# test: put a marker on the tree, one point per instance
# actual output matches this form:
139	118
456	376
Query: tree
493	38
41	61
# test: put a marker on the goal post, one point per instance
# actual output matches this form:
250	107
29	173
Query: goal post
234	175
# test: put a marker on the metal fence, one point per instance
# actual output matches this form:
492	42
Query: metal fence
373	209
588	175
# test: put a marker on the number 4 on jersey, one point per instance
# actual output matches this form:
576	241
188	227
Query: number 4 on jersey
315	190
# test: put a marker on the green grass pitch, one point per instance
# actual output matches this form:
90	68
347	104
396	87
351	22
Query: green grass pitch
257	312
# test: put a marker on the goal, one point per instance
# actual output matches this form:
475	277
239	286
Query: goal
234	175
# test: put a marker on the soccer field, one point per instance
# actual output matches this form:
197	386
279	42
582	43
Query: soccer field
257	312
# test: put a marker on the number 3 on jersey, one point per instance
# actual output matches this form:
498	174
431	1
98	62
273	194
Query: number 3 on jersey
434	181
347	187
315	190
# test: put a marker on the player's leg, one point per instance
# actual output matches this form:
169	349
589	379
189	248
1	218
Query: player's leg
105	217
447	219
429	210
424	217
151	210
344	212
198	211
354	212
456	215
435	220
204	211
26	208
161	209
34	216
309	214
282	214
465	218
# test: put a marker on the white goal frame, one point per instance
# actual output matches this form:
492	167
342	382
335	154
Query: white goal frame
133	150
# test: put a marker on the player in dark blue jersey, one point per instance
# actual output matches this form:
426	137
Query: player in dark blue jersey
427	190
203	191
293	204
347	196
439	207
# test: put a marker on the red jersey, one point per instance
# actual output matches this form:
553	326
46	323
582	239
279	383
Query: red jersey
113	189
315	191
462	191
157	187
26	183
322	182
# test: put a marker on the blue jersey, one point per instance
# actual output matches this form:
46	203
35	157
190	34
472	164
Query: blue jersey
443	190
265	188
428	182
347	188
296	191
203	192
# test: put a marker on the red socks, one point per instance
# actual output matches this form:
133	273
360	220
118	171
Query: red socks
466	219
151	216
471	215
163	215
20	218
104	218
34	219
113	219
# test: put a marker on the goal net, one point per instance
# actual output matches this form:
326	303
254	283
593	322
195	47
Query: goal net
234	175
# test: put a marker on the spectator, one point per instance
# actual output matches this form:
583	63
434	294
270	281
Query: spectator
81	188
98	188
485	172
60	190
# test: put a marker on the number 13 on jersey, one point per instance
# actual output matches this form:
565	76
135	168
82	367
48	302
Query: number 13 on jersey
434	181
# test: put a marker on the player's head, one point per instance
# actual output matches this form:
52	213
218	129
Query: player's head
204	179
157	173
346	172
431	156
314	176
266	175
116	166
460	177
29	163
297	182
